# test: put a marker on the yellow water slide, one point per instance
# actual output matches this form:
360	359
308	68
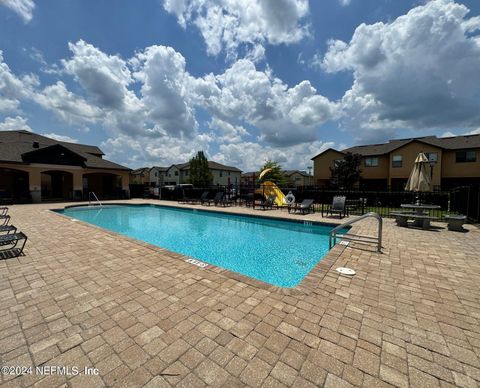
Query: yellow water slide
269	188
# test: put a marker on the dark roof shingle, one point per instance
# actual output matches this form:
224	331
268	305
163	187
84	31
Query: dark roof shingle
449	143
14	144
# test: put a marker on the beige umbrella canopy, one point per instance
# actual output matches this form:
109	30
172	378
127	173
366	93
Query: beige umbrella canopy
419	179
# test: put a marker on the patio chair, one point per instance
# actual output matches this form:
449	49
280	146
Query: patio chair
249	199
338	206
306	206
215	200
8	229
268	203
8	244
4	219
202	198
225	201
3	211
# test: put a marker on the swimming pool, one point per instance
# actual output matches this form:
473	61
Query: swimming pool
278	252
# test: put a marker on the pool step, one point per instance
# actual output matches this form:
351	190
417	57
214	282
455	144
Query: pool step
358	238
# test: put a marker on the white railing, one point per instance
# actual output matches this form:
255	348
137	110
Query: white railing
92	194
355	237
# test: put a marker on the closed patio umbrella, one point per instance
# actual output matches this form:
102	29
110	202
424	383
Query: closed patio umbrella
419	179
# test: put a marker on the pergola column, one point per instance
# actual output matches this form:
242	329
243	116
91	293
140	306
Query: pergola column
35	185
126	183
77	184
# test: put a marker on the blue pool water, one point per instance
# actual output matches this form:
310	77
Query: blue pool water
278	252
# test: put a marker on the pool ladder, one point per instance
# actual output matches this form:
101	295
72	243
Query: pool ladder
97	201
356	237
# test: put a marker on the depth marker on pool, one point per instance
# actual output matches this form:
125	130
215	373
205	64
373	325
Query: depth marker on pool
198	263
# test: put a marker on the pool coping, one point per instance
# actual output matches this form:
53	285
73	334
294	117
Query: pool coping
308	284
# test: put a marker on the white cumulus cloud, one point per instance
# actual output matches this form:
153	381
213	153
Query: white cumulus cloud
228	24
150	102
251	156
24	8
104	77
165	92
58	137
16	123
67	105
418	71
284	115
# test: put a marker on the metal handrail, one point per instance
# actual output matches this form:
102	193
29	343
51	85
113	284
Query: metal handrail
333	232
90	194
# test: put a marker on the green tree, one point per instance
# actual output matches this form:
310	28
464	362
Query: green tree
200	174
346	172
275	175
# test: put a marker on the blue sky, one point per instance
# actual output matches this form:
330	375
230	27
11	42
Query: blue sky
152	82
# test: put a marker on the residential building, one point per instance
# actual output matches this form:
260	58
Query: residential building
222	175
297	178
249	178
140	176
37	168
157	176
454	161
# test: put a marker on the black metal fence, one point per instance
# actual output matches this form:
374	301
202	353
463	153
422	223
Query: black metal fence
466	200
358	201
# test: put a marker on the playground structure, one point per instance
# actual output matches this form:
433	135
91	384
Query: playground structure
268	189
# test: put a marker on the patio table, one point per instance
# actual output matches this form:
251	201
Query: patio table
419	210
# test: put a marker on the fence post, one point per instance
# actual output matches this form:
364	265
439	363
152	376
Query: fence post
468	202
363	202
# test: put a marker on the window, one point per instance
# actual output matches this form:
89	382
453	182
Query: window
176	173
337	162
156	174
220	174
397	161
432	156
467	156
371	162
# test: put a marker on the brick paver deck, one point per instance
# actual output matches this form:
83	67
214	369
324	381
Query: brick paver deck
84	297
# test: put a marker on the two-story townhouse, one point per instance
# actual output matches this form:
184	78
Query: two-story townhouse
140	176
454	161
173	175
297	178
249	178
294	178
222	175
157	176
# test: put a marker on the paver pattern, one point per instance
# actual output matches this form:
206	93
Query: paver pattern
85	297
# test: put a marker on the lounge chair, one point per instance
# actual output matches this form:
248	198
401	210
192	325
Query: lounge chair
8	229
268	203
202	198
4	219
3	211
225	202
338	207
218	197
306	206
249	199
8	244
